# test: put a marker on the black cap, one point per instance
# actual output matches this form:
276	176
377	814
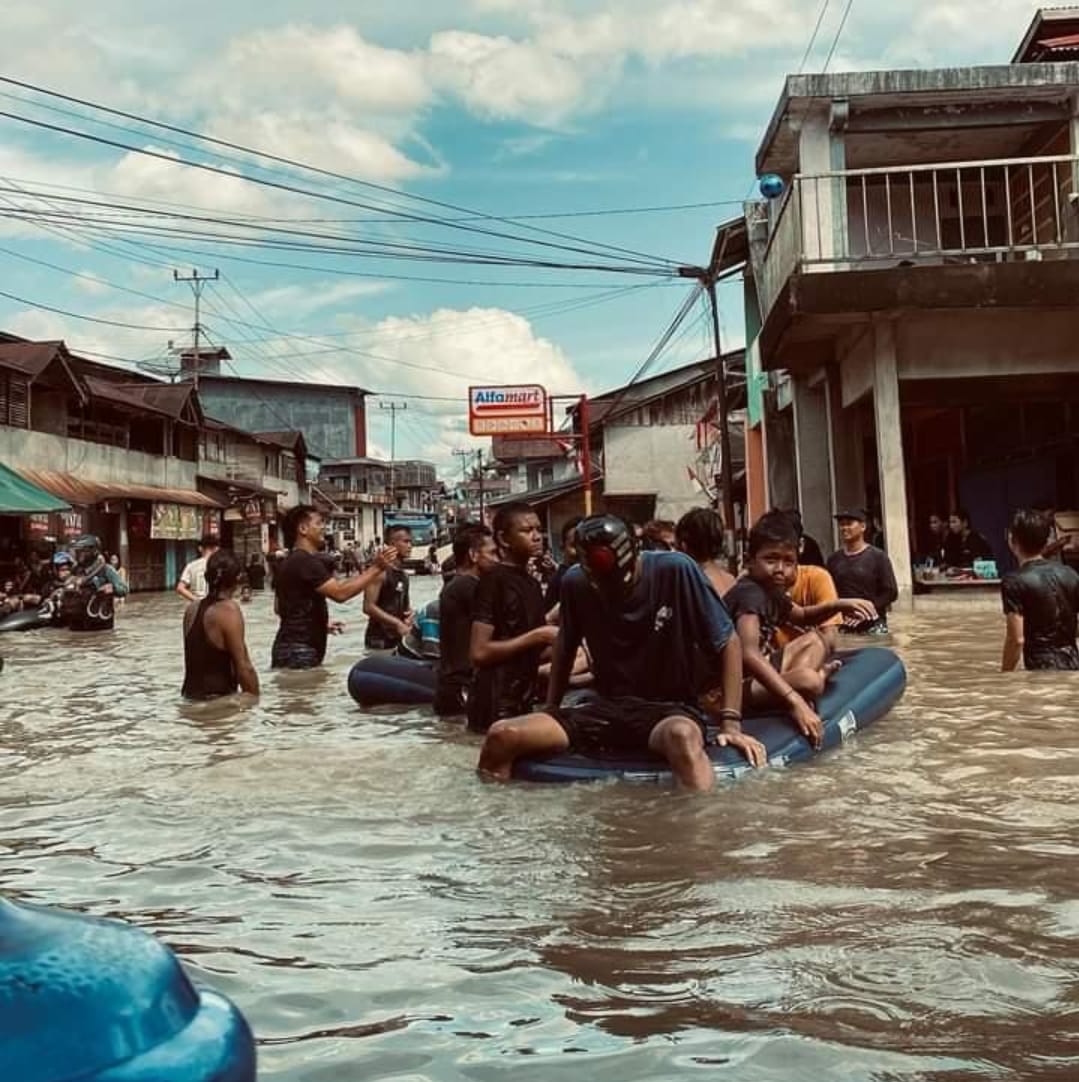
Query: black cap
857	513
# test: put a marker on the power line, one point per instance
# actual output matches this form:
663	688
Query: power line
838	34
91	319
292	163
813	36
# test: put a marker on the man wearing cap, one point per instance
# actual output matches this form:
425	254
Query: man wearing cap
665	657
860	570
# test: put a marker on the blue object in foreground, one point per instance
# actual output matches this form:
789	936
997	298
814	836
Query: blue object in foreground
870	683
381	679
99	1001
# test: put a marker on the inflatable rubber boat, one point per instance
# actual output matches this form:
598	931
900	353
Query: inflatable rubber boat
28	619
868	685
100	1001
382	679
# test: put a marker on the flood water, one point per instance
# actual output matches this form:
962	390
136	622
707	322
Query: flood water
905	908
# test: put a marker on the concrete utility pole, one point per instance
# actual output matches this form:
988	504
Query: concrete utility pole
707	277
393	407
198	284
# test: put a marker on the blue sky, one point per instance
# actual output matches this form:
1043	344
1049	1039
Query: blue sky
529	107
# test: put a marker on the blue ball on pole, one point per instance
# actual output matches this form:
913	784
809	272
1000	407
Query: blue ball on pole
771	186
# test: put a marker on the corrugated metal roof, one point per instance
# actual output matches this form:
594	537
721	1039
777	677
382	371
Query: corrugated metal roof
29	358
83	493
18	496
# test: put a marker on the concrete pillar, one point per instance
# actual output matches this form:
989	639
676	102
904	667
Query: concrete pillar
756	475
823	200
845	453
779	454
812	459
122	540
893	482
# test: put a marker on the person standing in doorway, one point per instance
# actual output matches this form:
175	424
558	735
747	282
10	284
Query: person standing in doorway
859	569
303	584
1041	601
386	600
192	584
216	661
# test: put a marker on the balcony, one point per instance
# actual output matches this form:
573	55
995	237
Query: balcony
957	234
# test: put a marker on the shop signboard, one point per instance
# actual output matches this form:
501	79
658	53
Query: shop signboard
507	411
37	525
253	510
211	523
72	524
175	522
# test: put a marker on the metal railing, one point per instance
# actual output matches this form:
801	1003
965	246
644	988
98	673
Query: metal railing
956	212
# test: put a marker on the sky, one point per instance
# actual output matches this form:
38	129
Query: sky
613	137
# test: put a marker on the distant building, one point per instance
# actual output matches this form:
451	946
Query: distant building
333	419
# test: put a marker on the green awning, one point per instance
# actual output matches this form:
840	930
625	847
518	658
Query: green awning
19	497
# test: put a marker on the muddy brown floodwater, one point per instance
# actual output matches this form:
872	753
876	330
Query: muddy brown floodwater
905	908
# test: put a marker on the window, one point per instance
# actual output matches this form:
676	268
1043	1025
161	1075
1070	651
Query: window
14	401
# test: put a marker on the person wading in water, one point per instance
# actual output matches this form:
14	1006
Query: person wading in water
216	661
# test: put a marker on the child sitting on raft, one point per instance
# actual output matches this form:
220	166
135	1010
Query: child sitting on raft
791	676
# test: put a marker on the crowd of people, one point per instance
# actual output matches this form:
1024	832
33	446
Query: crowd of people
78	587
674	646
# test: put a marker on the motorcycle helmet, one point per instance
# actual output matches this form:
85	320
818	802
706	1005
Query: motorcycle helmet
87	549
62	559
607	550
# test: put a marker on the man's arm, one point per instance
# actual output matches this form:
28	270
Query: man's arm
232	631
888	589
119	587
183	587
486	651
1013	642
811	615
342	590
760	669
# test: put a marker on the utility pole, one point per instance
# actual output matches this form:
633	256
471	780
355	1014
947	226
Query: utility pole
479	470
198	284
707	277
393	407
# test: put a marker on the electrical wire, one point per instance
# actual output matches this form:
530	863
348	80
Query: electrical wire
838	34
813	36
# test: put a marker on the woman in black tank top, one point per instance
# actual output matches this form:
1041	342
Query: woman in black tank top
212	670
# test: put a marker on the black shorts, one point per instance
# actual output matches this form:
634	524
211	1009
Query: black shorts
623	726
294	655
1064	659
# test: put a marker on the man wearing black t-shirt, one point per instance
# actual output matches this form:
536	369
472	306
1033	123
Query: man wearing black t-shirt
963	544
386	602
302	584
860	570
664	655
474	554
508	629
1041	601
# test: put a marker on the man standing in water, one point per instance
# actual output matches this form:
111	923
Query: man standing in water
216	661
1041	601
385	601
860	570
303	583
474	554
508	630
192	584
645	618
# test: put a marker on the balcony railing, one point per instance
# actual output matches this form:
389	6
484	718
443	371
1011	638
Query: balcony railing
955	212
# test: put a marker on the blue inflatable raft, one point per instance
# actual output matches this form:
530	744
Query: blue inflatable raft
382	679
99	1001
870	683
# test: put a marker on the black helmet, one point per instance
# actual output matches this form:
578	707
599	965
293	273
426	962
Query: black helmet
87	549
608	550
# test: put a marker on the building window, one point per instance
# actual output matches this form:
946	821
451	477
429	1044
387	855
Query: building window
14	401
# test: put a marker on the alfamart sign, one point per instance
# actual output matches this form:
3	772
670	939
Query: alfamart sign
507	411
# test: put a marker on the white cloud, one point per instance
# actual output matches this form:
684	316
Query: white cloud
503	78
302	300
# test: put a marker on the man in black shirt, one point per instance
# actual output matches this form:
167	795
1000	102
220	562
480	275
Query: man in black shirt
1041	601
386	601
508	629
963	545
474	554
302	584
664	656
860	570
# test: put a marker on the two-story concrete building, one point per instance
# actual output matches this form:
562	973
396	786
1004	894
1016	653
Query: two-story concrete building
912	312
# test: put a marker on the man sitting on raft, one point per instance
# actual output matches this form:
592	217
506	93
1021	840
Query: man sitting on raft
792	676
647	619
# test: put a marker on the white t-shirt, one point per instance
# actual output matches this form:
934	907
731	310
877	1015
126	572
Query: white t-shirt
194	576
